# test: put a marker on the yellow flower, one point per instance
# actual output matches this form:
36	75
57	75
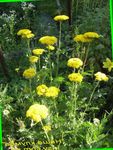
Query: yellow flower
23	31
81	38
28	36
41	89
47	128
101	76
52	92
37	112
48	40
50	47
33	59
29	73
76	77
108	64
38	51
91	35
74	62
61	18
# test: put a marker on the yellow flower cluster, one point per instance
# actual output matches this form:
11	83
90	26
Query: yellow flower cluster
37	112
47	128
50	47
108	64
43	90
61	18
86	37
29	73
101	76
33	59
74	62
75	77
38	51
48	40
52	92
25	33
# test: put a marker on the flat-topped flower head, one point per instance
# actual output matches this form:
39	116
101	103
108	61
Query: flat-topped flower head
25	33
81	38
99	76
48	40
91	35
38	51
29	73
52	92
33	59
74	63
108	64
86	37
61	18
41	89
75	77
37	112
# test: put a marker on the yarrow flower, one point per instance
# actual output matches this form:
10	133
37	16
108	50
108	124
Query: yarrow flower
41	89
48	40
38	51
29	73
91	35
33	59
61	18
81	38
74	63
75	77
99	76
108	64
50	47
86	37
37	112
25	33
52	92
47	128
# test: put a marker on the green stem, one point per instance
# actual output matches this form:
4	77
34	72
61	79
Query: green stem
55	107
75	98
30	88
91	96
49	141
59	47
50	65
28	46
86	56
39	62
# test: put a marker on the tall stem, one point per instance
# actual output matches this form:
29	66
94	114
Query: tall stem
91	96
58	51
86	57
49	141
50	65
28	46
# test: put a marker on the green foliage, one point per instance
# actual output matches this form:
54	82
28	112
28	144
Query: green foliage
79	115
